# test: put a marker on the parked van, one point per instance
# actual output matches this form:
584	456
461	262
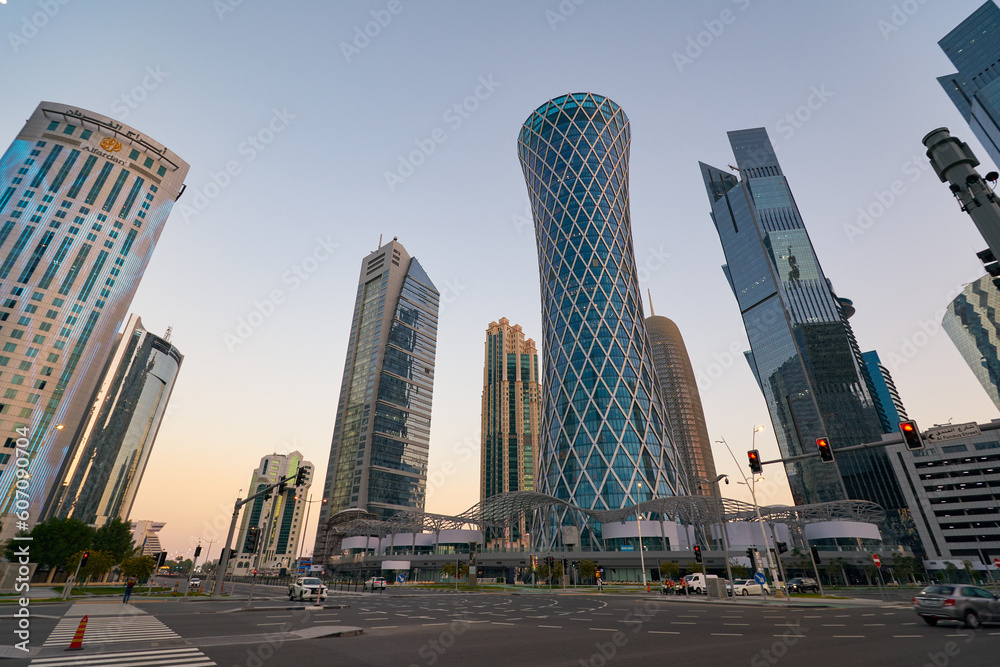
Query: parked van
697	582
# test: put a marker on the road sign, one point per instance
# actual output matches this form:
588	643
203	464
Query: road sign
996	561
759	578
876	560
400	578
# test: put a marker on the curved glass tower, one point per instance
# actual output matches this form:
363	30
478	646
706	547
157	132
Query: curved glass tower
604	442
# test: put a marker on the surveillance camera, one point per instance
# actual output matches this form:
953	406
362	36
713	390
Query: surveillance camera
727	480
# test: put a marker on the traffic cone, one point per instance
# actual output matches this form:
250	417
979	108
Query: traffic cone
77	643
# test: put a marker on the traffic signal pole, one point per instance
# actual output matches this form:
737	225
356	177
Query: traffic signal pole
226	548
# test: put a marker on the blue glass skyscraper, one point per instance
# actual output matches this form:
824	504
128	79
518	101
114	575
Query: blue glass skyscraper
803	352
974	48
604	441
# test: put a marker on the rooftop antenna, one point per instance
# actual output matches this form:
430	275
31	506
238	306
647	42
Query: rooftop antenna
652	311
166	336
379	241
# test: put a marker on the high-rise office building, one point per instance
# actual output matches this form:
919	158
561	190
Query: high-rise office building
604	441
510	415
971	323
682	403
83	200
100	482
974	49
887	401
378	457
802	349
279	517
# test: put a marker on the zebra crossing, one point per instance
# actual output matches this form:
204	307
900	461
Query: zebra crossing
110	630
181	657
109	624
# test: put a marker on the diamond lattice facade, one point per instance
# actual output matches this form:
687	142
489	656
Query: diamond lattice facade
604	444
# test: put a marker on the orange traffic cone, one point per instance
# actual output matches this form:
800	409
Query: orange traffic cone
77	643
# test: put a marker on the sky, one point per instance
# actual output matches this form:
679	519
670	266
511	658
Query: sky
313	129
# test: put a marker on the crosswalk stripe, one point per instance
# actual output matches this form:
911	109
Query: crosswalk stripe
106	630
188	657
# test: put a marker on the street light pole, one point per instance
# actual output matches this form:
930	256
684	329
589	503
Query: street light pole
642	555
722	526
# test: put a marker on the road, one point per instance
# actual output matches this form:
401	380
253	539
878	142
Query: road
447	628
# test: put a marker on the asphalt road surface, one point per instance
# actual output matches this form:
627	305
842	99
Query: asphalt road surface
446	628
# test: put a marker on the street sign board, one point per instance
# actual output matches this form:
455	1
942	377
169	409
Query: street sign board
400	578
996	561
876	560
759	578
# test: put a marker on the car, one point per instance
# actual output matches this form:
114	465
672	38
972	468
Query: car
969	605
803	584
307	588
749	587
375	582
194	583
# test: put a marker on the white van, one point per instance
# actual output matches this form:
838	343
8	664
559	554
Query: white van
697	583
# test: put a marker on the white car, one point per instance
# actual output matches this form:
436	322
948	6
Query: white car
307	588
375	582
748	587
194	583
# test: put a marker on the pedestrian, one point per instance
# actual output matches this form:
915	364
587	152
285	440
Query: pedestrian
129	585
600	583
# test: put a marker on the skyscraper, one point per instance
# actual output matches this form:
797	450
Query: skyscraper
971	323
510	414
887	401
100	482
279	517
974	49
604	442
83	200
803	353
682	402
378	457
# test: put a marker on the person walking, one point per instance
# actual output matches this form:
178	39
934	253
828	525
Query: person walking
129	585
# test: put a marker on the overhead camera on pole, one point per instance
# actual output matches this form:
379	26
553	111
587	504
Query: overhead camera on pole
954	162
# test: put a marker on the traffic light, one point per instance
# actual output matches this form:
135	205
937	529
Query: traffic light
697	553
989	263
755	466
197	551
281	486
302	476
253	536
825	450
815	553
782	547
161	558
83	559
911	435
750	554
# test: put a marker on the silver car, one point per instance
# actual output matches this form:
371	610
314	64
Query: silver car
970	605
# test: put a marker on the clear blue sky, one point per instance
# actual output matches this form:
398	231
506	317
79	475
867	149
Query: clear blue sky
331	113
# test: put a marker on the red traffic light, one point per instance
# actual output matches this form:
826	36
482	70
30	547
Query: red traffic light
755	464
825	450
911	435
